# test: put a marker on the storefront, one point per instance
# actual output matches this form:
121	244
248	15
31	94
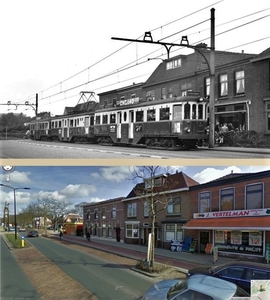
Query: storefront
235	233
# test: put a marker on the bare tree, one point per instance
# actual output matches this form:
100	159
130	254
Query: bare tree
153	183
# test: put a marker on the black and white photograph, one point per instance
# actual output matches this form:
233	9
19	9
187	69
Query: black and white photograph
135	150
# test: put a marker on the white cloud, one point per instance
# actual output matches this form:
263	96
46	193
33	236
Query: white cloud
16	177
211	173
78	190
113	174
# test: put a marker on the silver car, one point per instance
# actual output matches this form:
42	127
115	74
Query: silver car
196	287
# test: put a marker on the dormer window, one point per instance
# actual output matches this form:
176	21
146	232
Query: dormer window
176	63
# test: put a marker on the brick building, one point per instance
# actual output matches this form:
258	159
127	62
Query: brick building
242	87
232	213
171	201
105	219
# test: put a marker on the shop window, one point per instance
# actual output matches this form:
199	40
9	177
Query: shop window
240	82
164	114
223	85
174	206
227	199
204	202
254	196
132	230
132	210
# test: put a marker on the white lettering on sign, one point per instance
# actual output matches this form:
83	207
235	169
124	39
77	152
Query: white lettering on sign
233	213
128	101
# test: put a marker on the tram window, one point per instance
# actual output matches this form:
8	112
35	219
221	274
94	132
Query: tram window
164	113
139	116
105	119
132	116
125	116
194	111
177	112
91	120
187	111
200	111
112	118
97	120
71	123
151	115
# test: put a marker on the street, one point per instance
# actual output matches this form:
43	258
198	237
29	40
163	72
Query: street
20	149
99	278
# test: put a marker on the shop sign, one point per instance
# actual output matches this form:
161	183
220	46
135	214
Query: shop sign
234	213
240	249
130	101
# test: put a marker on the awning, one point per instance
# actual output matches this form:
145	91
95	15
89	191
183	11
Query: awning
247	223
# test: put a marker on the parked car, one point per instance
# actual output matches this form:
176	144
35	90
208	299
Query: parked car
198	286
50	228
32	233
22	229
238	272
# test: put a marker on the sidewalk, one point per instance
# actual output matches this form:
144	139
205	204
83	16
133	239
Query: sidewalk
181	260
239	149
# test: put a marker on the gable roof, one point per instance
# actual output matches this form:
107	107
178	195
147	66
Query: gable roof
193	63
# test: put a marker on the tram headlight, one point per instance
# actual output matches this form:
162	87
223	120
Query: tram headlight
187	130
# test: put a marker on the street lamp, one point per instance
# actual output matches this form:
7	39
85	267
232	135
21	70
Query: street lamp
14	191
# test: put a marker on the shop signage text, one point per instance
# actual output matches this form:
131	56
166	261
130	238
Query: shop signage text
130	101
234	213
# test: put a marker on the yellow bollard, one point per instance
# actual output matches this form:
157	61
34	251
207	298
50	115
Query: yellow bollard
22	242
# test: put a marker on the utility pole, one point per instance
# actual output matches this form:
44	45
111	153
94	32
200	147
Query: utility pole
210	64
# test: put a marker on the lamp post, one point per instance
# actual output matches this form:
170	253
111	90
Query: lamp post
14	191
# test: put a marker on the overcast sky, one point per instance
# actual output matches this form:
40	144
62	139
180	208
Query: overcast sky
87	184
50	47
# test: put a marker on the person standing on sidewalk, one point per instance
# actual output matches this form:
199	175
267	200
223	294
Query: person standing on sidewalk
88	236
61	233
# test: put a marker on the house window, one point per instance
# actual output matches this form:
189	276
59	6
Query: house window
96	213
88	215
132	210
173	232
223	85
227	199
240	82
204	202
163	93
150	95
267	116
132	230
146	209
174	64
114	212
103	213
185	87
174	206
254	196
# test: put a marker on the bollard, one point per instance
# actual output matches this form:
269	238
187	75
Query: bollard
22	241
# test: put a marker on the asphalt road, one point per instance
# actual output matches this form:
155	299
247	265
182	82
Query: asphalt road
103	279
28	149
14	282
